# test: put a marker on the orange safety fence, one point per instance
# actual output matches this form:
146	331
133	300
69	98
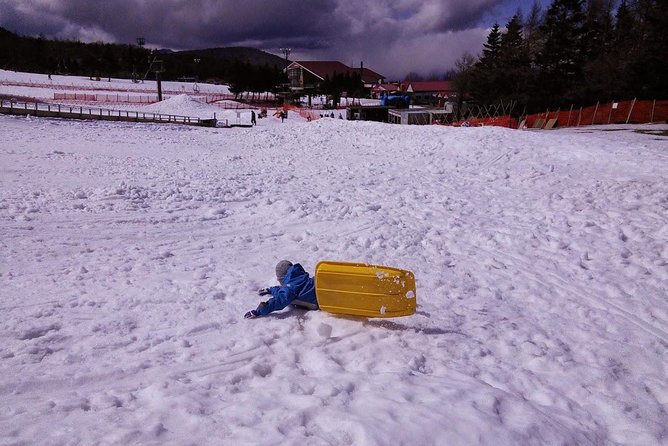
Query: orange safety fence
74	96
498	121
622	112
309	115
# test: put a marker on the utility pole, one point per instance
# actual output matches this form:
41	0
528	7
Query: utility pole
140	43
197	61
286	52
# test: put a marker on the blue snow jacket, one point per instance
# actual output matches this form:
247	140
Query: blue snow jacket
297	288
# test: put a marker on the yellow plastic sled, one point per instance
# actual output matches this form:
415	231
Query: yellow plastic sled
359	289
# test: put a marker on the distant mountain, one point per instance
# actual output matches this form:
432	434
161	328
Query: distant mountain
248	55
5	33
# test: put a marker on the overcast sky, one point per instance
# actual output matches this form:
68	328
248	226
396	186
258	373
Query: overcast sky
392	37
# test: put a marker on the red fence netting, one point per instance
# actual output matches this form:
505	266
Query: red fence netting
623	112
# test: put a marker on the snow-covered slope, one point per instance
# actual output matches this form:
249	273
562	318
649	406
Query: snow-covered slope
129	254
38	85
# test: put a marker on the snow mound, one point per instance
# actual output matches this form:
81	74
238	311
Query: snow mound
183	105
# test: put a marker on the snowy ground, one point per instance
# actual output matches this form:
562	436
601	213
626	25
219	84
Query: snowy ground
182	100
129	254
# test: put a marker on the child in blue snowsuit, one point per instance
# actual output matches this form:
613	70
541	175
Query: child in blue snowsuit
296	288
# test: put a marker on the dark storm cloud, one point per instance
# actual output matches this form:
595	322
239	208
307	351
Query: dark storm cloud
339	29
177	23
28	21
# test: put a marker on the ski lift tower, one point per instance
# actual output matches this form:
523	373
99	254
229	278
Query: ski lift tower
158	69
155	65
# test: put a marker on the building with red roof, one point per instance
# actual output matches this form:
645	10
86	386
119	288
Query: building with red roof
429	92
304	75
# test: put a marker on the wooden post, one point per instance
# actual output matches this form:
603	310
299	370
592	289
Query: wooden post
631	110
610	114
651	119
593	118
556	123
569	116
579	117
159	81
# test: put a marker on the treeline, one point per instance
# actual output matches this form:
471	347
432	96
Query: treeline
104	60
577	52
41	55
340	83
244	77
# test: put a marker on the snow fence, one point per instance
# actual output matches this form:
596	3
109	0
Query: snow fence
622	112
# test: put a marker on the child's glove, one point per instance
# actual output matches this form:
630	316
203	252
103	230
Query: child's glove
263	292
252	314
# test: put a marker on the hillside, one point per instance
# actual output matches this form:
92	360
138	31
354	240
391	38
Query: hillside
252	56
41	55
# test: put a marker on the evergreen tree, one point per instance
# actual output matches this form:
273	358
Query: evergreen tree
492	48
486	75
598	27
514	63
533	36
574	54
599	68
623	50
624	25
649	67
561	59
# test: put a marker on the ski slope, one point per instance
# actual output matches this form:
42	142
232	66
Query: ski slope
129	254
